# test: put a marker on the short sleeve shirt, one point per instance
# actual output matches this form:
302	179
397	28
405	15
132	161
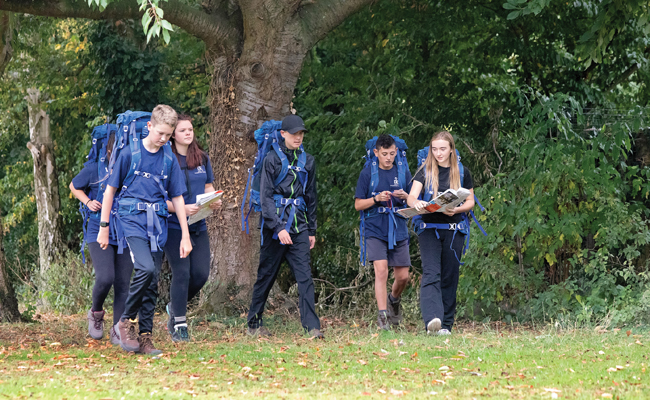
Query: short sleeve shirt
195	181
88	181
377	224
443	184
146	190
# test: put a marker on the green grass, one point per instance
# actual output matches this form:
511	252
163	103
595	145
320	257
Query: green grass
54	360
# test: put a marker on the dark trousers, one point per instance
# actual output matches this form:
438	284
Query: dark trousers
440	271
111	269
297	255
143	292
189	274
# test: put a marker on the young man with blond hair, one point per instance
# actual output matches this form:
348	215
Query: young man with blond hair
142	216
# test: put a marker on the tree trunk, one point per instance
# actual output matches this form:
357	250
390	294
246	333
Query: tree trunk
246	91
8	303
6	35
46	183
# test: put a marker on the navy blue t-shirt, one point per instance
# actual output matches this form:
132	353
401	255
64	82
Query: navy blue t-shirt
88	181
146	190
443	184
377	225
195	181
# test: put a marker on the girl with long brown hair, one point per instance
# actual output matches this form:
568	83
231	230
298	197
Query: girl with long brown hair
441	239
189	274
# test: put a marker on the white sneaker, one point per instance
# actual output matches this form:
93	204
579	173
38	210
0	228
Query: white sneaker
444	332
433	326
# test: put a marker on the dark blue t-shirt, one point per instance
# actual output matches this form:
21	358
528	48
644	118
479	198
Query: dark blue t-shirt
88	181
377	224
146	190
195	181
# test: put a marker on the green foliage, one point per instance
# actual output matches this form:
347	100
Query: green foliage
70	285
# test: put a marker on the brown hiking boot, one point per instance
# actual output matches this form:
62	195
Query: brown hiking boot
261	331
114	339
96	324
146	345
127	334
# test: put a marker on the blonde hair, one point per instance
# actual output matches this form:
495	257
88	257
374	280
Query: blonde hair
164	114
431	165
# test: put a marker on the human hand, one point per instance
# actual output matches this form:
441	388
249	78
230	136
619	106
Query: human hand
94	205
186	247
102	237
383	196
191	209
420	205
450	211
284	237
312	242
400	194
216	205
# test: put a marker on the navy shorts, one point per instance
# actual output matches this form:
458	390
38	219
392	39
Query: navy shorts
377	249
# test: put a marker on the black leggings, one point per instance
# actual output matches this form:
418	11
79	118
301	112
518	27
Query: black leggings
189	274
111	269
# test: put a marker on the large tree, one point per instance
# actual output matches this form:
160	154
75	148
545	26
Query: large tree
256	50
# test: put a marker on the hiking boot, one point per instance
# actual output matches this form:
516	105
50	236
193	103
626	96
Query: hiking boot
316	334
433	326
382	321
444	332
127	334
96	324
261	331
394	311
146	345
115	340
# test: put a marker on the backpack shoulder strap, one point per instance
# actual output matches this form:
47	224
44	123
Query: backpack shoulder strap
374	177
302	172
136	156
285	164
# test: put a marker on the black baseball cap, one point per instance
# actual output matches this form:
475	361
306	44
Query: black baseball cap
293	124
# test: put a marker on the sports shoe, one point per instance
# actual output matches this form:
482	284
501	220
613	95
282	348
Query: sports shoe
444	332
115	340
316	334
96	324
180	333
394	311
126	333
433	326
146	345
170	321
261	331
382	320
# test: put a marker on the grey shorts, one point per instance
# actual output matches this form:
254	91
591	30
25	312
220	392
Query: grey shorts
377	249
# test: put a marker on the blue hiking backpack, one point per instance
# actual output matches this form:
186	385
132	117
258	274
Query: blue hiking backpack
96	154
372	163
268	138
131	129
419	226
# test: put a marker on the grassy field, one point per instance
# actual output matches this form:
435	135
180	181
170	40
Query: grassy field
55	359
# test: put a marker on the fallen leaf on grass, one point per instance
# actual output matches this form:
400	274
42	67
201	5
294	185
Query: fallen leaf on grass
629	333
362	362
608	395
552	390
396	392
443	368
382	391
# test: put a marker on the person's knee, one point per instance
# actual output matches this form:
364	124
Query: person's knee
401	278
381	271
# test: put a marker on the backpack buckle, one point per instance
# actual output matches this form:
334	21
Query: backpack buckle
381	210
146	174
452	226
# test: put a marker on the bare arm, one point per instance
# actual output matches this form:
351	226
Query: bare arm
107	204
186	245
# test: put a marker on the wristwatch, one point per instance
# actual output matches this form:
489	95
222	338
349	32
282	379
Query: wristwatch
103	224
374	198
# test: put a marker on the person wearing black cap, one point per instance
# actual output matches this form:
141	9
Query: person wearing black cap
288	226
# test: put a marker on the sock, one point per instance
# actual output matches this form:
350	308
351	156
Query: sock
392	299
180	321
383	311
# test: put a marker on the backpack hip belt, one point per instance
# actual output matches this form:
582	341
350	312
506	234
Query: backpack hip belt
153	210
281	204
462	227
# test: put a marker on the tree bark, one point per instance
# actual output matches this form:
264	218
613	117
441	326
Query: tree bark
6	36
8	303
46	183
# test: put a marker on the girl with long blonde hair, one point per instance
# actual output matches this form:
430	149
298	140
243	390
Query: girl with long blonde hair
441	239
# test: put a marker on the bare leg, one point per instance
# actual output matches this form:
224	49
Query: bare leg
381	278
